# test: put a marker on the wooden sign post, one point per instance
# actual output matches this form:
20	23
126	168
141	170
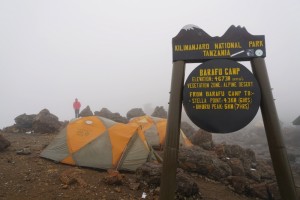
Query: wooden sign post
283	172
222	88
168	177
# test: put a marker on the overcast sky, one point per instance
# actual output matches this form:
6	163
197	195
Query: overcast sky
118	54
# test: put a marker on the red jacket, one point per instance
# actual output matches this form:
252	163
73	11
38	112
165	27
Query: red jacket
76	105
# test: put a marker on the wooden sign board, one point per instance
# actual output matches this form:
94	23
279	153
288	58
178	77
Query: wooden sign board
221	96
192	44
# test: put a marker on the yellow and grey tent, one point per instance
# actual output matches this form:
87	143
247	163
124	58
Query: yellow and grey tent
155	128
98	142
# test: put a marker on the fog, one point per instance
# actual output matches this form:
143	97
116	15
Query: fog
118	54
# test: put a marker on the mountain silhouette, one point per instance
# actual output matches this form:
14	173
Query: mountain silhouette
236	31
191	32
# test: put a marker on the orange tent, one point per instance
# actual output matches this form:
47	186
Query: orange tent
155	128
99	143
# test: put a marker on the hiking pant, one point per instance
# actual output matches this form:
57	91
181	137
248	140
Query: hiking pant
76	113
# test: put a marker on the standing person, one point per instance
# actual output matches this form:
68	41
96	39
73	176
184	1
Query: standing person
76	106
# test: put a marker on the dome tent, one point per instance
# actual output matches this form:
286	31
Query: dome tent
155	128
98	142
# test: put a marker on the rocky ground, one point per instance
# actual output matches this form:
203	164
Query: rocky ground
255	138
25	175
233	166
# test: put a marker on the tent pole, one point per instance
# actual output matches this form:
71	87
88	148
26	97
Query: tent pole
129	144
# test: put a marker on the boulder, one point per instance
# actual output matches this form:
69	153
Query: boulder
242	161
291	136
24	151
239	183
236	166
250	155
4	143
135	112
12	129
264	191
203	139
24	121
160	112
198	160
72	176
186	186
86	112
265	170
253	174
291	157
104	112
45	122
114	178
187	129
150	175
235	151
64	124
